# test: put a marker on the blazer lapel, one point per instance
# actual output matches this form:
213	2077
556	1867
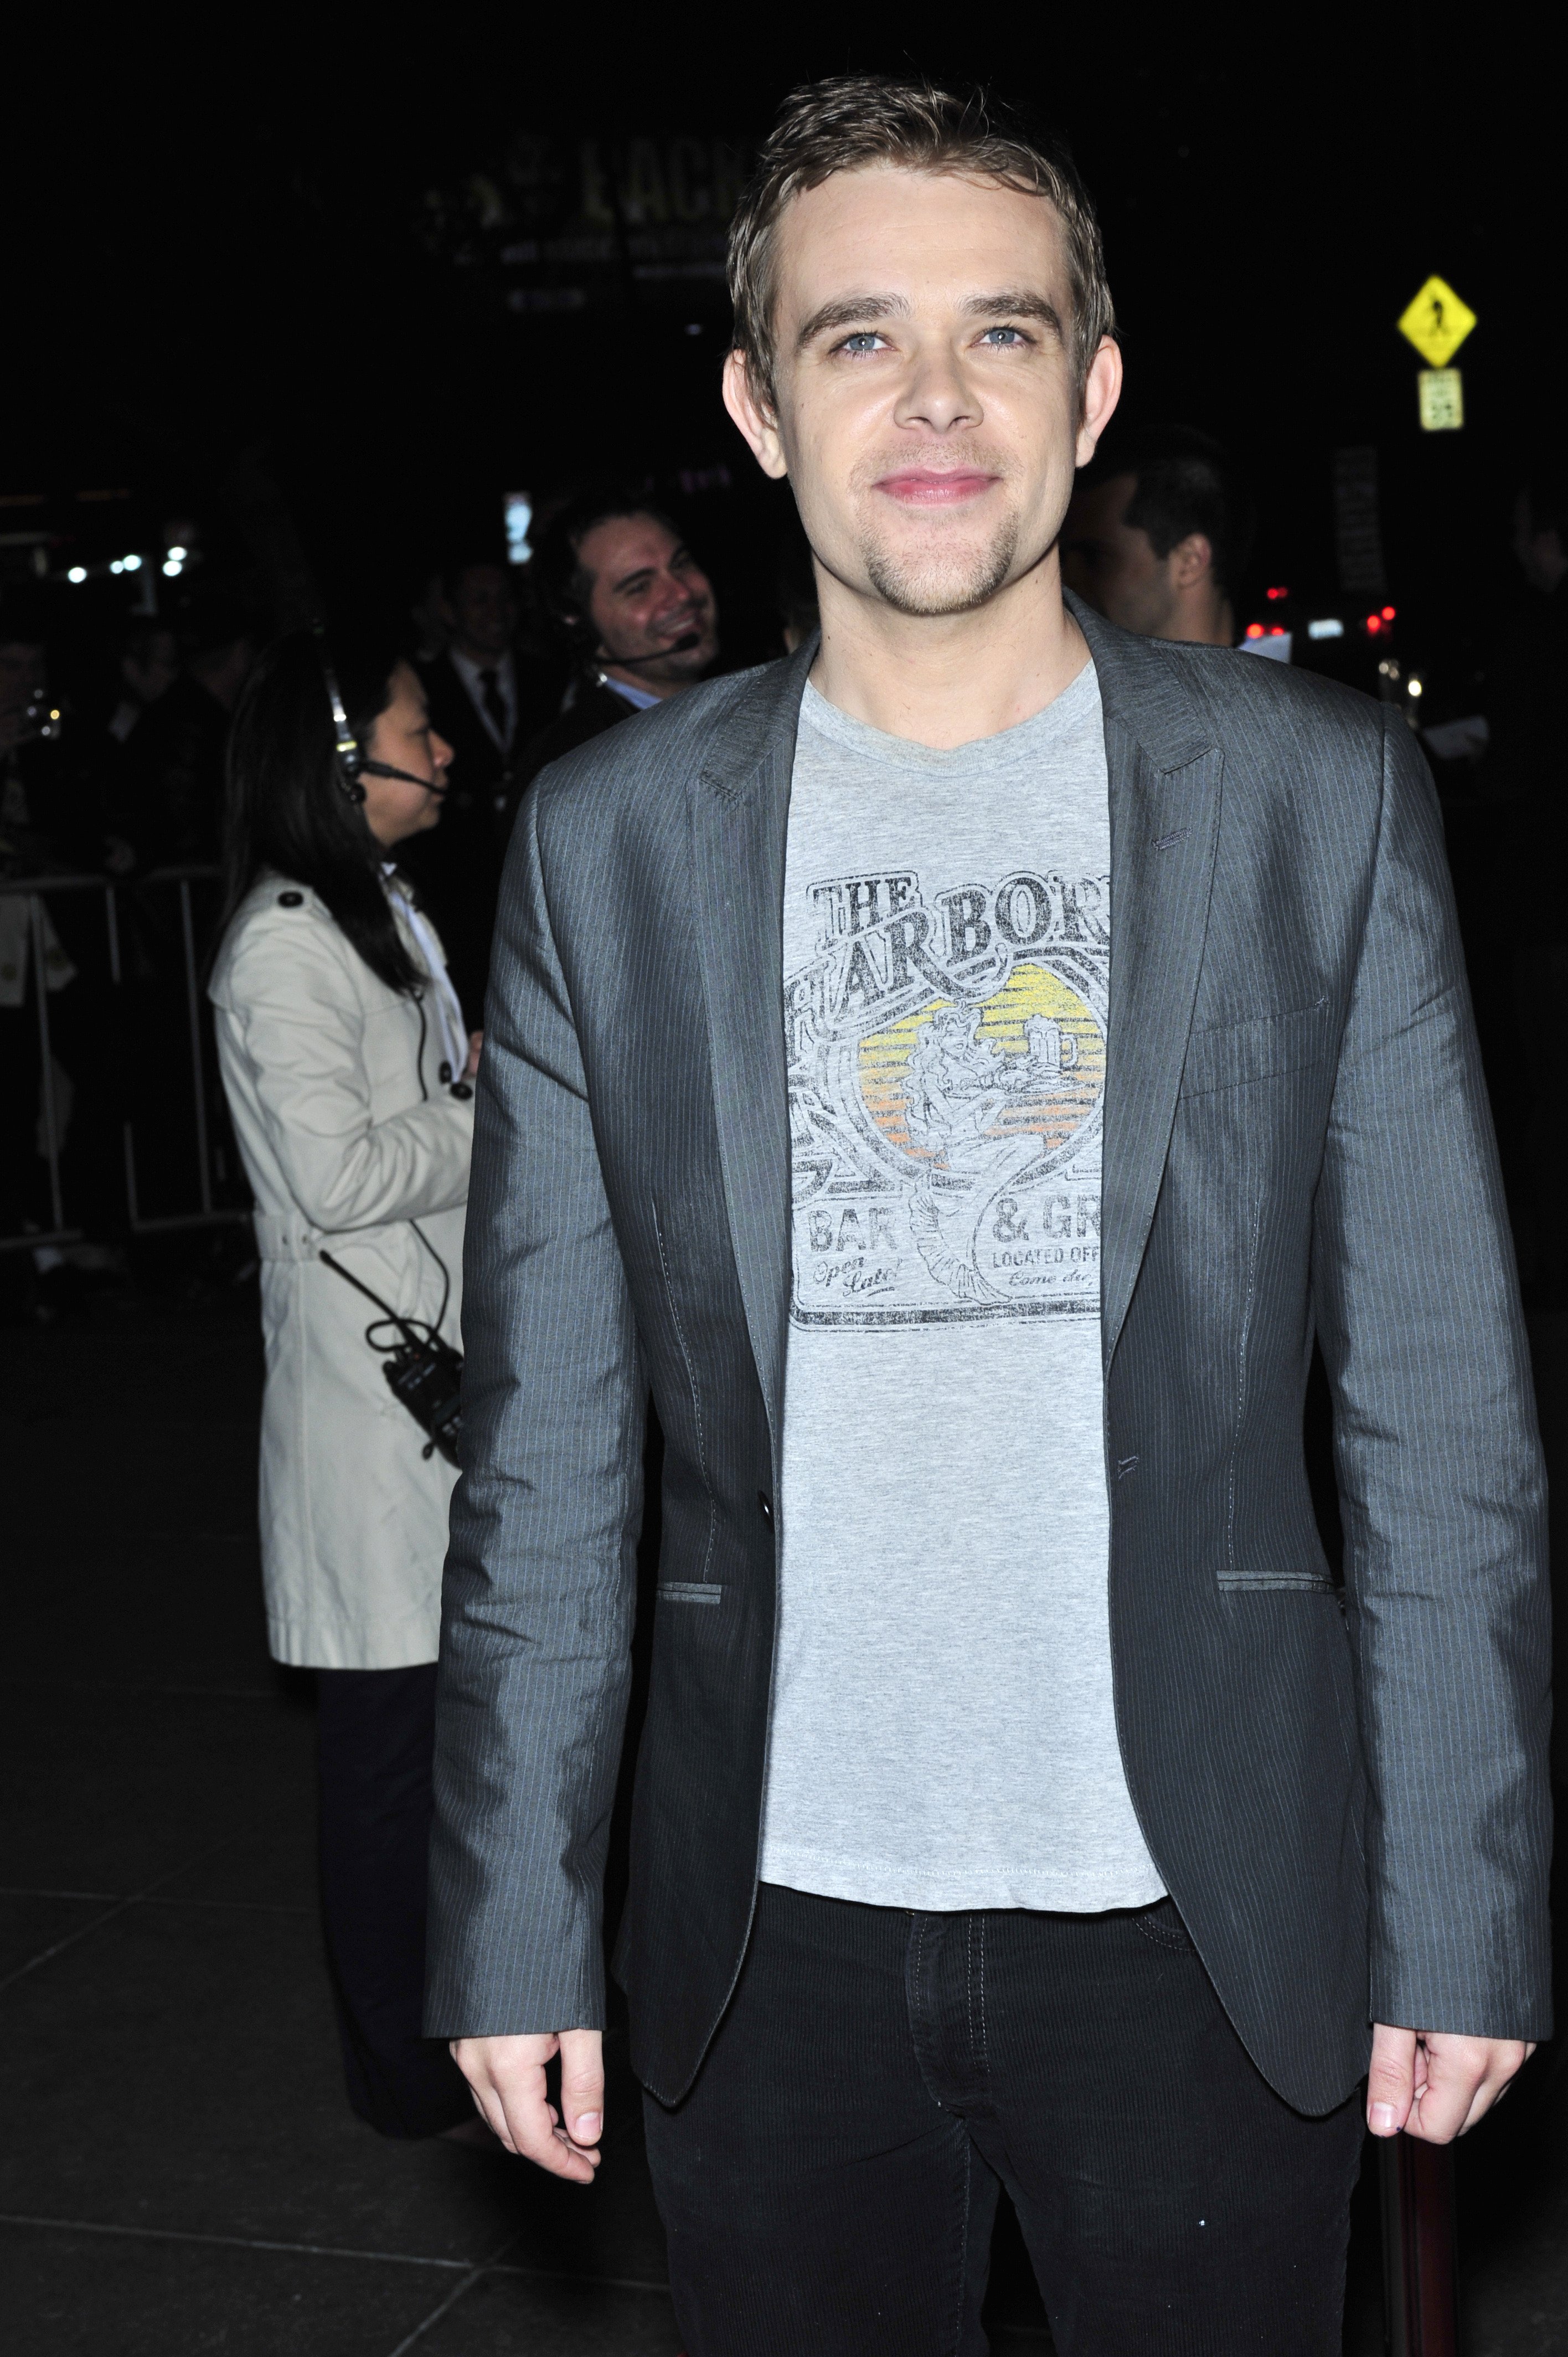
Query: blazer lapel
1165	780
739	811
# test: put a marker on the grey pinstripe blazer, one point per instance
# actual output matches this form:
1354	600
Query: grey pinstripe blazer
1346	1793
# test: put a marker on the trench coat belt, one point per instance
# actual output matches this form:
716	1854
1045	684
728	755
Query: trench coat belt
280	1238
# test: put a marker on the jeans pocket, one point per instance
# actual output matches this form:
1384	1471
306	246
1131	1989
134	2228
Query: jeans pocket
1163	1924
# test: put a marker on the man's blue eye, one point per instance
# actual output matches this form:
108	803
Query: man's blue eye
861	342
1014	333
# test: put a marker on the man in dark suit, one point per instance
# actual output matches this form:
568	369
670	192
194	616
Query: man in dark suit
1158	534
631	600
960	1068
487	700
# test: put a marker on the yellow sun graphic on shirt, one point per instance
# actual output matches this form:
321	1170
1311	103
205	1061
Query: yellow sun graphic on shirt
1029	1060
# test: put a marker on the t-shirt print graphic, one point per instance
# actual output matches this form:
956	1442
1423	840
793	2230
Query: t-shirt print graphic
946	1057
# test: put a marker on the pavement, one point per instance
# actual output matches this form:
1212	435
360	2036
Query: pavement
180	2171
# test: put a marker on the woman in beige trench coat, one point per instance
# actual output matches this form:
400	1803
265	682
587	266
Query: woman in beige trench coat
346	1069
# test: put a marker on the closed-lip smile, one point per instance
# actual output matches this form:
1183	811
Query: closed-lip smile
935	487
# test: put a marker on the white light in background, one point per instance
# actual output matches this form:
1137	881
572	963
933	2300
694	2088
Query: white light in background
131	564
116	564
1329	628
173	570
1412	688
518	516
177	555
77	573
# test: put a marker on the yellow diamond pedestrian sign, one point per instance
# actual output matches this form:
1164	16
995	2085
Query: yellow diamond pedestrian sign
1436	322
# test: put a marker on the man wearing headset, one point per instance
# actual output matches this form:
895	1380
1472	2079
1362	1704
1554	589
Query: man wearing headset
635	604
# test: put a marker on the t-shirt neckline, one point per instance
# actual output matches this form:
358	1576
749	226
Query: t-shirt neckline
1073	706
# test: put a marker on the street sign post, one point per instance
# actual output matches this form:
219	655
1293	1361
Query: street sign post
1436	322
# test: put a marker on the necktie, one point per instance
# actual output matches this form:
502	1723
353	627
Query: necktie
495	705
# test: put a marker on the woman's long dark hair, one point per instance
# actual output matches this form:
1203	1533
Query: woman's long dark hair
287	811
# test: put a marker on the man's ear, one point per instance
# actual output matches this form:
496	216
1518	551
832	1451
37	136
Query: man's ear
1190	559
1101	392
754	416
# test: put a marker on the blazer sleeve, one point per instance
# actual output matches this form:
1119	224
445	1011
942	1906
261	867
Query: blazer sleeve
541	1574
300	1022
1440	1472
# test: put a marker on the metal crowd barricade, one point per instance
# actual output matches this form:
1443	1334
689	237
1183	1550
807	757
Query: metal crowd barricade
36	892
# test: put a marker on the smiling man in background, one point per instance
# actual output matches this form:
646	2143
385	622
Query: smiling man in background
634	605
958	1067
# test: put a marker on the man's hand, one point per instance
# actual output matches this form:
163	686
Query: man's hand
506	2076
1435	2085
476	1042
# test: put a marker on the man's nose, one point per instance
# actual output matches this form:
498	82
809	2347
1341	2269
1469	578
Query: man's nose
935	394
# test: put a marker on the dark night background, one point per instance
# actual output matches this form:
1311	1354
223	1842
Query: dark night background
251	274
260	299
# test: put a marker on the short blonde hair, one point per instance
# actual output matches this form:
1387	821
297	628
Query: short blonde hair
854	120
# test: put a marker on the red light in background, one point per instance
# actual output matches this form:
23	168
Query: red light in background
1255	629
1388	613
1272	594
1374	624
1276	629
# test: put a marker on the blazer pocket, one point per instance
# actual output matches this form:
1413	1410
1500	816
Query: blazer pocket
1232	1054
1309	1583
688	1591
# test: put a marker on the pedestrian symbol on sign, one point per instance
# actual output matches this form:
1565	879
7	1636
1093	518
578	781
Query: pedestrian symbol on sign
1436	322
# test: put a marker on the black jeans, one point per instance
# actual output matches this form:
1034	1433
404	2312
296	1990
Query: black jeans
829	2185
376	1732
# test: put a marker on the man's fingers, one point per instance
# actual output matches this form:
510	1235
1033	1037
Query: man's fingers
582	2085
506	2076
1390	2081
490	2110
1464	2077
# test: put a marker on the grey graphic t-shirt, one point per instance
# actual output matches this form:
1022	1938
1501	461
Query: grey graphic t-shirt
944	1731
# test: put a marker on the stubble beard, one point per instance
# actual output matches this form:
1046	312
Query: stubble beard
940	581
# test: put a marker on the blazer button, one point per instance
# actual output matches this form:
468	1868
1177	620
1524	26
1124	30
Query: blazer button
766	1502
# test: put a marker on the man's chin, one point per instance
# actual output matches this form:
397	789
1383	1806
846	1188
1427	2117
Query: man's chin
928	585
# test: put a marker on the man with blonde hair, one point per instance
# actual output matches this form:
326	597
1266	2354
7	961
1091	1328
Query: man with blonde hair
1022	1800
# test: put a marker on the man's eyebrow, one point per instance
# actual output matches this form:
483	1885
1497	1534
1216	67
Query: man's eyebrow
1015	305
679	555
846	310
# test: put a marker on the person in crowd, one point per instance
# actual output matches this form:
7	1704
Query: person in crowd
170	797
1158	535
348	1076
486	700
1525	774
51	823
959	1066
29	943
148	668
636	607
51	805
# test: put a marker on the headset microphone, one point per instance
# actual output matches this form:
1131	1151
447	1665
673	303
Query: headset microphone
385	770
682	646
353	762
